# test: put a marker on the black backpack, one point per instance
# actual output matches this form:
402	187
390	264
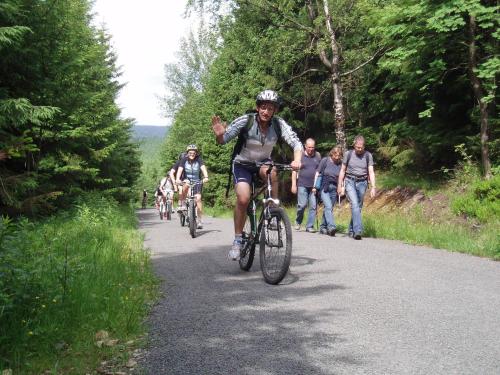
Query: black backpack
242	138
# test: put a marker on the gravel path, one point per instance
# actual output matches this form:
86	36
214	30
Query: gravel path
347	307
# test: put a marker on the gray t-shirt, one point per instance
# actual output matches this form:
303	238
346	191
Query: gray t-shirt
357	166
257	146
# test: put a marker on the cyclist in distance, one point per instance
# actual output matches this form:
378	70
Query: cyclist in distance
259	133
172	173
194	168
158	195
167	186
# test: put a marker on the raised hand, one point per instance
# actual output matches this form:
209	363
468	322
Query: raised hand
218	126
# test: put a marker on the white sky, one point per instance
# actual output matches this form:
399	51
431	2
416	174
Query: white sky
146	35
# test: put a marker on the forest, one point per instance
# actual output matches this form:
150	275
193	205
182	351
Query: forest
417	78
60	129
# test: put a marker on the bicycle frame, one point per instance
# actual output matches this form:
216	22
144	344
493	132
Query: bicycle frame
191	201
267	201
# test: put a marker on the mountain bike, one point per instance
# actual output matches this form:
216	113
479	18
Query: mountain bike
163	207
272	231
189	213
168	206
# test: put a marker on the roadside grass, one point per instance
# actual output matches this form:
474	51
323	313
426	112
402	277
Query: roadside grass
414	228
390	180
66	278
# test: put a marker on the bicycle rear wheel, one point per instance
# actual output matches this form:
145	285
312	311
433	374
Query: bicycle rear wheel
169	210
248	251
162	209
275	246
192	218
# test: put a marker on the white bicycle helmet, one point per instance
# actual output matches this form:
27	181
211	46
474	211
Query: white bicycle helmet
192	148
268	96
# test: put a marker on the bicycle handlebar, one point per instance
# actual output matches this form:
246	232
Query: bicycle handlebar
270	164
190	183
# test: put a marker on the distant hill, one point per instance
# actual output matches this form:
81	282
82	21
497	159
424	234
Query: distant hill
149	131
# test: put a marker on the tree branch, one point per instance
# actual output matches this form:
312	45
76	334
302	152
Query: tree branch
363	64
304	73
286	17
324	59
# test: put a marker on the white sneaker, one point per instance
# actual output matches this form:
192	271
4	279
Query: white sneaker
199	225
235	252
297	227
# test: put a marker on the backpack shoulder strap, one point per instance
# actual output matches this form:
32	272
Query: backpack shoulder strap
367	158
323	164
349	154
242	137
275	123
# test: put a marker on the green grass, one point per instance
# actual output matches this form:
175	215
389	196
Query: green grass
391	180
66	278
412	228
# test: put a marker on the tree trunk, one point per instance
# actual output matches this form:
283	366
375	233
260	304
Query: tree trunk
478	90
334	66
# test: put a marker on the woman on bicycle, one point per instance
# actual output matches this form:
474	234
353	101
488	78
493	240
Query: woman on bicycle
194	169
258	133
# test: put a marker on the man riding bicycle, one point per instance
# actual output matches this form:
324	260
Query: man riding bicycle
262	130
193	167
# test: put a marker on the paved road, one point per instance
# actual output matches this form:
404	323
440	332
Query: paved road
347	307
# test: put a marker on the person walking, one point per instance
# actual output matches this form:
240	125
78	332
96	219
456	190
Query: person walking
303	184
357	169
329	168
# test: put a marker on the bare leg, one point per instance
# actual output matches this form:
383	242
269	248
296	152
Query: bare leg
199	206
274	180
242	190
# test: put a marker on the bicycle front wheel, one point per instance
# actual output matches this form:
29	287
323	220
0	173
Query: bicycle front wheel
182	218
192	218
275	246
248	251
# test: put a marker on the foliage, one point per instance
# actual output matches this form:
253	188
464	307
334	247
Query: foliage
63	279
60	128
481	200
414	104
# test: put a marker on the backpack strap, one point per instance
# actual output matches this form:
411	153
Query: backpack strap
349	154
242	137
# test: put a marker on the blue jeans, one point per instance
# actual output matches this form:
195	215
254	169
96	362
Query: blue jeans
329	198
305	196
355	191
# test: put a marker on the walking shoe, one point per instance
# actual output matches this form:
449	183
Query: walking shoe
235	252
357	236
297	226
199	225
323	231
332	231
310	230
